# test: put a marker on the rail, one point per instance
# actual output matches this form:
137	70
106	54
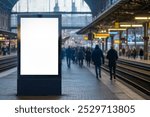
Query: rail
135	74
8	62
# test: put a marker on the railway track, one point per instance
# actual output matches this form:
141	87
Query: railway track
135	74
8	62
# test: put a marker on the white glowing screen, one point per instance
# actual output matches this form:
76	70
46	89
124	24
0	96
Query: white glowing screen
39	46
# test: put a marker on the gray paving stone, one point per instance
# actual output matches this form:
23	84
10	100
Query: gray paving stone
77	84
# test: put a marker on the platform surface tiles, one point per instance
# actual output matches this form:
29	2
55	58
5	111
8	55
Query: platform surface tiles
77	84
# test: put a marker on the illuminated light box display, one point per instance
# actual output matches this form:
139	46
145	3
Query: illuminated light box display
39	46
39	55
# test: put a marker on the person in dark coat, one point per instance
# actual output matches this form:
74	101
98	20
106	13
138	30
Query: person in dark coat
73	55
62	53
141	53
98	59
80	57
88	56
112	57
123	51
4	50
68	56
134	53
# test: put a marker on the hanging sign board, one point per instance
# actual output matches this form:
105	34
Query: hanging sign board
101	35
116	41
85	37
117	25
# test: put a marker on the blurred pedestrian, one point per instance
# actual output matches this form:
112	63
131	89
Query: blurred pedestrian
134	53
88	56
112	57
98	59
141	53
129	53
80	57
62	53
4	50
73	55
123	51
68	56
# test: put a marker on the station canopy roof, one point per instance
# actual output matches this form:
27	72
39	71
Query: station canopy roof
94	5
123	11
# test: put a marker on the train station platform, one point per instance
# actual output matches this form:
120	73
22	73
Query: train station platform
135	60
77	84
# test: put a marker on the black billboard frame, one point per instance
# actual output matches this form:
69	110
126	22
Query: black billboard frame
39	85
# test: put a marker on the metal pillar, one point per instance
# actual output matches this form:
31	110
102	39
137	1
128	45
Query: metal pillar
112	41
146	41
103	44
127	35
120	43
56	7
74	9
9	46
27	5
106	44
49	6
91	44
135	37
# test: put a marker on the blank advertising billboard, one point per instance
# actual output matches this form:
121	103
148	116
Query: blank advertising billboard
39	46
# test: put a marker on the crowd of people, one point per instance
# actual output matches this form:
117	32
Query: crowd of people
95	56
4	50
132	53
76	55
7	50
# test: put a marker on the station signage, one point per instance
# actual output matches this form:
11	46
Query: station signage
85	37
116	41
117	24
101	35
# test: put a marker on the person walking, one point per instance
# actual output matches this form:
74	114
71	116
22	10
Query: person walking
112	57
4	50
141	53
98	59
123	51
88	56
128	53
134	53
80	56
68	56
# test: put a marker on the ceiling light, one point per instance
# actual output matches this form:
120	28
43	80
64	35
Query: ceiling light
117	29
142	18
129	25
125	25
137	25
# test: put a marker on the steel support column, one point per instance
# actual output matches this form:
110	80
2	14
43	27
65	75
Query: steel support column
112	41
146	40
106	44
127	35
135	38
120	41
103	44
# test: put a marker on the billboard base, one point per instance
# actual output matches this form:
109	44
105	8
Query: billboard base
38	87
